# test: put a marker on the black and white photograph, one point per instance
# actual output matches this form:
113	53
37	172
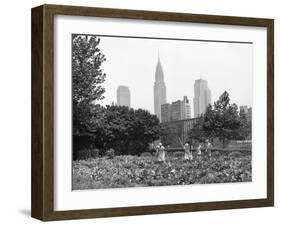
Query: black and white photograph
160	111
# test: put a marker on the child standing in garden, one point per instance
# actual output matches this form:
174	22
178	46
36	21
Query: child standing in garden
160	150
199	151
161	154
187	152
208	148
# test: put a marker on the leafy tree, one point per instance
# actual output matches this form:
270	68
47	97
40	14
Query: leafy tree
87	75
87	78
87	120
126	130
147	129
197	133
220	121
169	135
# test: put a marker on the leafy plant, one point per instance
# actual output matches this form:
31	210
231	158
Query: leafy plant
131	171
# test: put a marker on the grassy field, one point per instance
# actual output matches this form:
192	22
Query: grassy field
134	171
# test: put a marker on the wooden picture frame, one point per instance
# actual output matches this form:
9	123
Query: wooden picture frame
42	203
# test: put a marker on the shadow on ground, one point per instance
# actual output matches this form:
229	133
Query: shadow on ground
25	212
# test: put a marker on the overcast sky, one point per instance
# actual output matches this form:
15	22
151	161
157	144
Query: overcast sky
132	62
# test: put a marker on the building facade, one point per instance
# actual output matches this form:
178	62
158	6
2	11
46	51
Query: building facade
166	112
178	110
159	90
186	109
202	97
123	96
247	111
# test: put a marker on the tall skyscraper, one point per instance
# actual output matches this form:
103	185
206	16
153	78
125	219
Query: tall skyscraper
202	97
159	90
123	96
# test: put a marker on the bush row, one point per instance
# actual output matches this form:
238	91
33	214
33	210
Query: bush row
85	154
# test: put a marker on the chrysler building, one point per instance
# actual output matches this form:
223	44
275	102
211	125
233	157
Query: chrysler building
159	90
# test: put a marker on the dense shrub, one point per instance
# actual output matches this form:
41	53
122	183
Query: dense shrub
86	153
216	154
235	154
146	154
129	131
82	154
95	153
177	154
110	153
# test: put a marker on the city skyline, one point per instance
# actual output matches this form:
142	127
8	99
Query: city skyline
123	99
182	62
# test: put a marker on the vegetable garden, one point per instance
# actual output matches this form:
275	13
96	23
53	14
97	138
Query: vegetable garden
136	171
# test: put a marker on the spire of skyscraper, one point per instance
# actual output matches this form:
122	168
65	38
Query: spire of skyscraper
159	75
159	89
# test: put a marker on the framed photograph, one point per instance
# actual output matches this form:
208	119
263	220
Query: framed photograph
142	112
